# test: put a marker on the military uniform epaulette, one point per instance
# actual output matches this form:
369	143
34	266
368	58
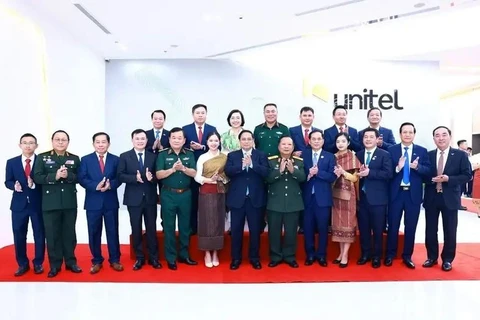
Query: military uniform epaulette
298	158
67	154
164	149
188	149
272	157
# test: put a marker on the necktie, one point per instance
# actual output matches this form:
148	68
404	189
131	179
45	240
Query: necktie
157	134
246	169
367	162
406	168
315	162
440	170
200	134
101	163
305	137
342	129
28	168
140	161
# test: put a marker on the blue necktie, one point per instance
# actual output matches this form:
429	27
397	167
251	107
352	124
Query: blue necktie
406	168
367	162
315	162
140	161
157	134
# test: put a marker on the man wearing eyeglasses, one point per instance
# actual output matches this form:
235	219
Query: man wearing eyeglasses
56	171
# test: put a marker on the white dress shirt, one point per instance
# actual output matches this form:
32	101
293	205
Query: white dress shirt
24	163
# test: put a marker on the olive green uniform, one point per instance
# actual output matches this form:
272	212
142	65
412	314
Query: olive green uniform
176	199
59	205
284	203
266	139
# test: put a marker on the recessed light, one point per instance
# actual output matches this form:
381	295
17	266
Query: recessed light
240	18
419	5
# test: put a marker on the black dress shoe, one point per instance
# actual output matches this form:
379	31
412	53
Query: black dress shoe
309	261
38	269
362	261
73	268
447	266
21	271
256	265
273	264
388	262
300	231
187	261
322	261
376	263
343	265
408	263
172	265
155	264
336	261
138	265
235	264
53	272
292	264
429	263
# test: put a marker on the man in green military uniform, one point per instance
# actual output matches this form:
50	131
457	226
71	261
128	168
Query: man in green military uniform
284	203
56	171
268	134
176	168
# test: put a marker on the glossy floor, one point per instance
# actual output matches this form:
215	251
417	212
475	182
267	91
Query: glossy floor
379	300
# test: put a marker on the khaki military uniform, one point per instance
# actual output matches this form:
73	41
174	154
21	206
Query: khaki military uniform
59	205
284	204
176	199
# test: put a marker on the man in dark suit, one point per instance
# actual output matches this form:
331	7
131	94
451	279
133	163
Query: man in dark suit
319	167
247	168
375	173
56	170
136	169
386	139
195	139
450	170
406	193
157	138
300	135
340	117
98	175
26	204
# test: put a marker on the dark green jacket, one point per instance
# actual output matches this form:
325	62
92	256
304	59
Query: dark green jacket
57	194
284	188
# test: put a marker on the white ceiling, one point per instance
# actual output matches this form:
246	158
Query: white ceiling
206	28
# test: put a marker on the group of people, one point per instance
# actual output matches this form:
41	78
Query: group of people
298	180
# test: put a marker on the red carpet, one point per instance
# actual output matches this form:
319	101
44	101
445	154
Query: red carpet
466	267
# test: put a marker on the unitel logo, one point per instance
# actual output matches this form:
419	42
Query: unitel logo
368	100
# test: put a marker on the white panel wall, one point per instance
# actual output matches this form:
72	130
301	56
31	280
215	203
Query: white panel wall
71	97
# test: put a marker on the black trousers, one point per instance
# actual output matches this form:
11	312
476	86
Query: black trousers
149	214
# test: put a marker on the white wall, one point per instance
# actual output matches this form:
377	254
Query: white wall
49	81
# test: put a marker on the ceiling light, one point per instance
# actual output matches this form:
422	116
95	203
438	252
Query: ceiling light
419	5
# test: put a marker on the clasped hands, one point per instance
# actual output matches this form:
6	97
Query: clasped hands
148	174
440	178
62	172
286	164
413	164
18	186
103	185
338	170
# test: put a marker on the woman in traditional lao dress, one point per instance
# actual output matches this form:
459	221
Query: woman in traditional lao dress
344	216
211	200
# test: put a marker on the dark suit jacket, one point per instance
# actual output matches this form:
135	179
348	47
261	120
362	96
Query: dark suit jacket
323	180
89	175
164	140
330	134
378	180
388	138
416	176
297	136
127	173
241	179
14	172
459	173
190	131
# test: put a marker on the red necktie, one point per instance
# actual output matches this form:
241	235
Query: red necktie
102	164
28	168
342	129
305	137
200	134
